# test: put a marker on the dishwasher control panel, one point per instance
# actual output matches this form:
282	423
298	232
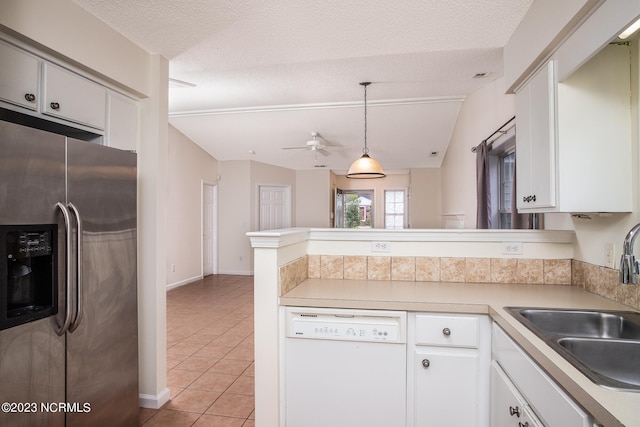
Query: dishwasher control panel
347	325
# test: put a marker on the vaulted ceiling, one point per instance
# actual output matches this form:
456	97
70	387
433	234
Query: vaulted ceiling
264	74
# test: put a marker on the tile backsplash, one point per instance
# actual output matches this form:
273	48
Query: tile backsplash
599	280
434	269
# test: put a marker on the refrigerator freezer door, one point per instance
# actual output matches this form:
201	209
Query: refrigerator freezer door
32	181
102	350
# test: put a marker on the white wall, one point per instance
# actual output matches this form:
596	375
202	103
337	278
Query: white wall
234	217
313	198
480	115
238	209
188	167
425	203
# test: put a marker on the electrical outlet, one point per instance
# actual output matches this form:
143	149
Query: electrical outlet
609	255
511	248
380	246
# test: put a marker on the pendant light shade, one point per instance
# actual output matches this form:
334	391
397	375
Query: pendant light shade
365	167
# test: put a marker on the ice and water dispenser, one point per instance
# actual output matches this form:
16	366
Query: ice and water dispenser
28	273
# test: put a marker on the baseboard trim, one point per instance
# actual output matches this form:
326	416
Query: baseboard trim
154	401
183	282
236	272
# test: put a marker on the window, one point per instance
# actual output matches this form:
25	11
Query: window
506	169
394	208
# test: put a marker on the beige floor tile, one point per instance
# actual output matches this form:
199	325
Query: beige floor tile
213	381
218	421
193	401
212	350
167	418
230	366
240	353
232	405
199	364
209	355
243	385
180	378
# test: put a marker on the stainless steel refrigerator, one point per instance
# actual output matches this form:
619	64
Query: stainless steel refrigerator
68	296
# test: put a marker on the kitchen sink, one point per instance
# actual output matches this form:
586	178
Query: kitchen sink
615	359
603	345
588	324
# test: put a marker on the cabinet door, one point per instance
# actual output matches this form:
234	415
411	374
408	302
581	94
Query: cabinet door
507	406
536	141
18	77
122	128
72	97
446	387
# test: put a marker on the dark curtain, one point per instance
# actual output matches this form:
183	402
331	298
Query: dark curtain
483	216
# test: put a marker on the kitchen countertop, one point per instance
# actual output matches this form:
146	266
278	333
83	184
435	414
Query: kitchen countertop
609	407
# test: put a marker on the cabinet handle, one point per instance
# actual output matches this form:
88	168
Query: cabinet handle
514	411
426	363
54	106
29	97
525	424
446	332
533	198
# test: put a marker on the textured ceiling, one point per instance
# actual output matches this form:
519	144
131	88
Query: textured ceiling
270	72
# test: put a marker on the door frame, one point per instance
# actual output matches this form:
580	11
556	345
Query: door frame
214	225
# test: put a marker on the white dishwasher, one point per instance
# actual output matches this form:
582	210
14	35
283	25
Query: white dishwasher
345	368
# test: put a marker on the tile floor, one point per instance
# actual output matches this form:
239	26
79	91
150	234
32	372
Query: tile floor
209	355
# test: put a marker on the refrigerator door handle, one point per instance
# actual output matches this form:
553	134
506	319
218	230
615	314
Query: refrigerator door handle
68	262
79	304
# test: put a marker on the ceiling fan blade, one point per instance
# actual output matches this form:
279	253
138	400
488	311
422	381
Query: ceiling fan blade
293	148
324	152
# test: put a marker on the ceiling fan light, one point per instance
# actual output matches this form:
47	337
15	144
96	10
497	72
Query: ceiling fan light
365	167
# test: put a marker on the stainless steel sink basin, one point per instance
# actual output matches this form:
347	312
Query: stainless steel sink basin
614	359
604	345
589	324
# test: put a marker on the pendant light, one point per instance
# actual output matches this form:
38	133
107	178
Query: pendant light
365	167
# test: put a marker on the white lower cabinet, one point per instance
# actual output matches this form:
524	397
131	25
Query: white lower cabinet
519	385
448	362
508	407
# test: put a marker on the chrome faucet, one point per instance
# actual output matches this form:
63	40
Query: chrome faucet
629	269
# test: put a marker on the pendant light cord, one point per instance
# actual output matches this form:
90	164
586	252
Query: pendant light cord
366	149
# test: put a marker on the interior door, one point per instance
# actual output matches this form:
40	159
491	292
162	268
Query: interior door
275	207
102	350
208	229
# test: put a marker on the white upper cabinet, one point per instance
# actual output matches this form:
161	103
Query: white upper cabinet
34	83
19	77
573	142
72	97
536	141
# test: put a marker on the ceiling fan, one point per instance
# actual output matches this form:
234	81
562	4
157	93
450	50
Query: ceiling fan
312	145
